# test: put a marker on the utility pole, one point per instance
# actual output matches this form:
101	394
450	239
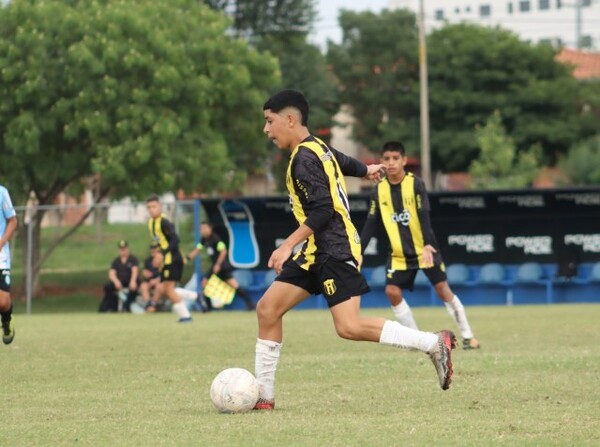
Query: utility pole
425	150
578	24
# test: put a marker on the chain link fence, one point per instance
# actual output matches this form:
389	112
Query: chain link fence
66	249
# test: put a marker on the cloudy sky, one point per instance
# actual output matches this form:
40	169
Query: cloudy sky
327	24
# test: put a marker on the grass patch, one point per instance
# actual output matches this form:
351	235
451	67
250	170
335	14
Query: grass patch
122	379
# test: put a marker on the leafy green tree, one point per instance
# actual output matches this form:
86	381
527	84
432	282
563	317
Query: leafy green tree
377	65
253	18
500	165
145	96
473	71
581	165
281	27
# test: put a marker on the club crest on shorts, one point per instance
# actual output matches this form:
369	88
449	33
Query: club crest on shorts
329	286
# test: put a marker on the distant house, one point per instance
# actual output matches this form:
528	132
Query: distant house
586	64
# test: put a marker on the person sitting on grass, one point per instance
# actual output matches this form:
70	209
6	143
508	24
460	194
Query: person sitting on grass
123	277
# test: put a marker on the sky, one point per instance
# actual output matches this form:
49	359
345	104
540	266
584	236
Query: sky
327	25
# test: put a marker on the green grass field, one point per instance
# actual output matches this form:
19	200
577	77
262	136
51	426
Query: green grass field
121	380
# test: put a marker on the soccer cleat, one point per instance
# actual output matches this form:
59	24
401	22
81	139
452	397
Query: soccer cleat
470	343
151	306
8	332
185	320
441	356
264	404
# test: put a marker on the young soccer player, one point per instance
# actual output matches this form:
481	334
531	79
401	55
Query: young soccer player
400	203
328	260
8	224
217	250
162	231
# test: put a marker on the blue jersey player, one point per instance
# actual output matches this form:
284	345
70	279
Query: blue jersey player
8	224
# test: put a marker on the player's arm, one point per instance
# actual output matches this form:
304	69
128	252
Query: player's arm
168	230
135	272
373	219
423	208
192	254
352	167
11	226
284	251
112	276
222	249
312	187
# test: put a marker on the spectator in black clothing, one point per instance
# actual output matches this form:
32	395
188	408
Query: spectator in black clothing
123	276
217	250
150	279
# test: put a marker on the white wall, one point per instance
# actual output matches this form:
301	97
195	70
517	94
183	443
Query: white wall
554	24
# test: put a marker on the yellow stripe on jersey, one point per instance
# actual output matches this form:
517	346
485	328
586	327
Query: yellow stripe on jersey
387	211
309	248
414	224
339	196
157	235
393	221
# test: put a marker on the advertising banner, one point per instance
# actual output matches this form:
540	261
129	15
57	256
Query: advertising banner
509	227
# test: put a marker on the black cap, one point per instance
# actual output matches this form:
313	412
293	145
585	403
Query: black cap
154	245
123	244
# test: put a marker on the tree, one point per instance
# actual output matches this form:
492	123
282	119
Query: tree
473	71
281	28
500	166
116	91
252	18
581	165
377	65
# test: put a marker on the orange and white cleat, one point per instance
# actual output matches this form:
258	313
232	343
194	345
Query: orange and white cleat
264	404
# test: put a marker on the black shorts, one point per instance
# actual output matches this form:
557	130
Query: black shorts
338	281
405	279
5	280
225	274
172	271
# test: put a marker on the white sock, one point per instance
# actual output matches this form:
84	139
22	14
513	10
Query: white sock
457	312
394	334
181	309
265	365
404	315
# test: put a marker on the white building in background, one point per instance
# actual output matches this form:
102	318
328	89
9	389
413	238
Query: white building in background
555	21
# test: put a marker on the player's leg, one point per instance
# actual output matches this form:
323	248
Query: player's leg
341	281
395	282
349	325
8	325
454	306
171	274
145	291
289	289
229	279
168	288
110	301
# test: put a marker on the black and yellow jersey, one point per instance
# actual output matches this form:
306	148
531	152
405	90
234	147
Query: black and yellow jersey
163	232
317	191
403	209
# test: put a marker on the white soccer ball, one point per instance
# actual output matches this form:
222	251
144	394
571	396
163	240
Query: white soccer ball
234	390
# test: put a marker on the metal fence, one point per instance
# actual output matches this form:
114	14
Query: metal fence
78	239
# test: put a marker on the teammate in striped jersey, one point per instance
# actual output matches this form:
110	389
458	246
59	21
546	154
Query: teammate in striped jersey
400	203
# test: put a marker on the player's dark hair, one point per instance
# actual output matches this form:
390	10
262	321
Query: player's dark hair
393	146
152	198
288	98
